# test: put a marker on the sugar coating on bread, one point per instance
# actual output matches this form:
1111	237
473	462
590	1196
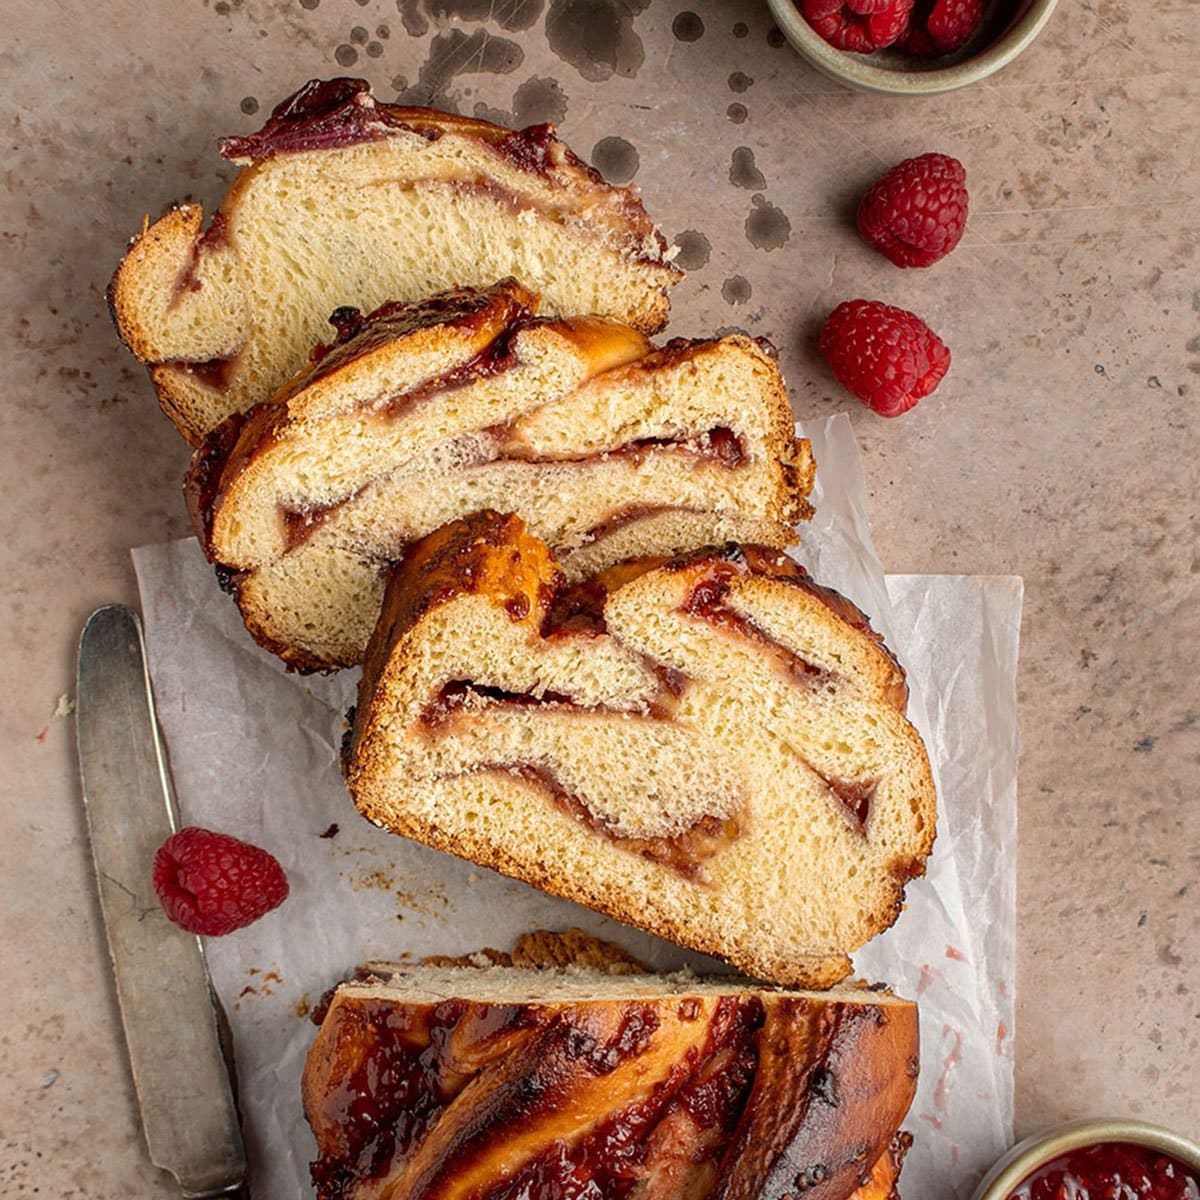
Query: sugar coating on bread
711	748
487	1080
422	413
345	200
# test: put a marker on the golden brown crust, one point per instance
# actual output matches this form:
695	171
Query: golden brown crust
733	1094
543	949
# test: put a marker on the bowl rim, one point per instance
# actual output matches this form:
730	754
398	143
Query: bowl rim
1027	1155
858	71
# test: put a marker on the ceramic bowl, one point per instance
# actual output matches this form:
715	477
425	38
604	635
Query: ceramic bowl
1025	1157
1007	29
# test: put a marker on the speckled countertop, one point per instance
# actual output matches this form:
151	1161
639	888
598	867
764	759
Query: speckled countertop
1062	447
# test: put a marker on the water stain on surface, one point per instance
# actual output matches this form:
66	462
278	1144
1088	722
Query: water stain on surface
736	290
345	55
688	27
249	105
615	159
741	29
743	173
739	81
767	228
511	15
597	37
416	23
694	250
536	102
737	113
539	100
456	53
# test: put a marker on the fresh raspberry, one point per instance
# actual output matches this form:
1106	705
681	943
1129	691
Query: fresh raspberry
860	26
939	27
211	883
887	357
915	213
951	23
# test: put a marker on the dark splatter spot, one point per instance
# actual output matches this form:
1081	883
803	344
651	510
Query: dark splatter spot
511	15
1099	369
346	55
775	37
383	32
359	35
766	227
249	106
737	113
374	49
221	8
309	4
497	116
456	53
1144	745
1141	920
615	159
739	81
743	173
736	290
687	27
331	832
539	100
597	37
362	3
694	250
741	29
1154	382
416	23
399	83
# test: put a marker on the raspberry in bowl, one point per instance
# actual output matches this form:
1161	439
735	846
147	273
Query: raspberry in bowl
910	47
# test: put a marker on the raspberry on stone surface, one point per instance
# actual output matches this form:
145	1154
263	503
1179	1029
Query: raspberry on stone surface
915	213
886	356
210	883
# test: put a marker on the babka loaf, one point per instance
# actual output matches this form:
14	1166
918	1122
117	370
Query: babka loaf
424	412
504	1083
349	201
712	748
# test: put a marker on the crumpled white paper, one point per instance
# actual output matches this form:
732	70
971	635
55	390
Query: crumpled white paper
254	752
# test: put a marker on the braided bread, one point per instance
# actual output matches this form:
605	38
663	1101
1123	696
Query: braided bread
349	201
495	1082
424	412
713	748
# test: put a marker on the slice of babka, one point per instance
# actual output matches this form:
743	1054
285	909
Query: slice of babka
712	748
346	200
425	412
498	1082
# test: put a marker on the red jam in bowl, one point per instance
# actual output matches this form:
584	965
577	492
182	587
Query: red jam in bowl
1110	1171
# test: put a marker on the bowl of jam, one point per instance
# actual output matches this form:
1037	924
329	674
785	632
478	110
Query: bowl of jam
1097	1160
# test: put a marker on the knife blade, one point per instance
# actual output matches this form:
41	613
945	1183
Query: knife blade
167	1006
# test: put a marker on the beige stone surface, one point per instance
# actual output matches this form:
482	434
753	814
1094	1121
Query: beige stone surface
1062	446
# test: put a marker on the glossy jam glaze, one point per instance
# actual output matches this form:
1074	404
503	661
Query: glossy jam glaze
409	1063
1110	1171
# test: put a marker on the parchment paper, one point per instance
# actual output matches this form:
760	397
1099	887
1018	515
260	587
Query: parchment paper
254	752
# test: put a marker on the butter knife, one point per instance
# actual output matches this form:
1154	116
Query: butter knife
167	1004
